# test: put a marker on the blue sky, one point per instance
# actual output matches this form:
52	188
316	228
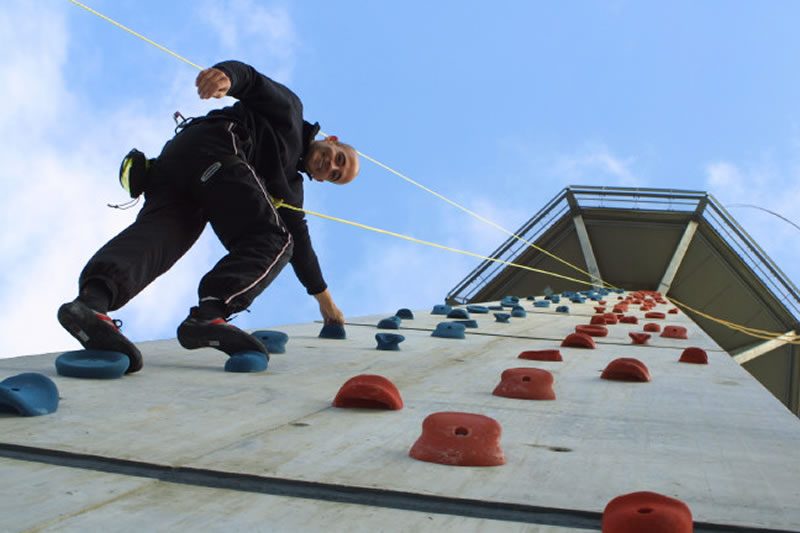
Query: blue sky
497	106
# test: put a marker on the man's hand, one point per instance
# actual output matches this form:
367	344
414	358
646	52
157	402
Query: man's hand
212	82
330	313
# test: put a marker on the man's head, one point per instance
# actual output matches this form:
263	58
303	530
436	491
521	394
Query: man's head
333	161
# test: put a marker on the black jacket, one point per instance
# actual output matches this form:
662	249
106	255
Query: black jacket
279	138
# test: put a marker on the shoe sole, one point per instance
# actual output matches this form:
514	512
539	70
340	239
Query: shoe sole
95	334
225	338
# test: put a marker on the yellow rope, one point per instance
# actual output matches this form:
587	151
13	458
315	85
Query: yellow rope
280	203
744	329
140	36
753	332
479	217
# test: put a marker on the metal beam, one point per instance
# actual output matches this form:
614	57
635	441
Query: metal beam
794	381
677	257
748	354
586	248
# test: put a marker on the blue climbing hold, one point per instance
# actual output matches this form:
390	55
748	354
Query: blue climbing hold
555	298
246	362
562	309
449	330
441	309
468	323
273	341
496	308
577	299
93	364
405	314
458	313
389	341
509	301
332	331
501	317
542	303
478	309
519	313
532	298
28	394
393	322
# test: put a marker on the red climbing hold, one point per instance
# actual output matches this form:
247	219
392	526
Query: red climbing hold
639	338
598	320
594	331
578	340
600	309
611	318
541	355
626	369
621	308
653	328
369	391
647	511
673	311
459	439
655	314
526	384
694	355
629	320
675	332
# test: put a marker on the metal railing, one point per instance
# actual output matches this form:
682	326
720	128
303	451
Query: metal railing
576	198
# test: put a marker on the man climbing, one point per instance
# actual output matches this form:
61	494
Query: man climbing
224	169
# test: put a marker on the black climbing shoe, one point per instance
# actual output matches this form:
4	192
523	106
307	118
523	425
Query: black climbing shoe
96	331
216	333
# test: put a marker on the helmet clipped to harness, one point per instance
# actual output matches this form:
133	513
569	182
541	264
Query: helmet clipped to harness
133	173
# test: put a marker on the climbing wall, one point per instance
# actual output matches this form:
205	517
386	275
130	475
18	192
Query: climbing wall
519	415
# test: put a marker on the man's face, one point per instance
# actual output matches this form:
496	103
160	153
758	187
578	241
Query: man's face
332	161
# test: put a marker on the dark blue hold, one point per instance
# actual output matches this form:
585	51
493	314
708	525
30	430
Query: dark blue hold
577	300
517	307
92	364
478	309
28	394
501	317
542	303
389	341
246	362
405	314
458	313
273	341
441	309
496	308
604	292
555	298
468	323
332	331
519	313
449	330
393	322
562	309
532	298
509	301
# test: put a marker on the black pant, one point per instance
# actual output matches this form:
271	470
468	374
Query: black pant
184	192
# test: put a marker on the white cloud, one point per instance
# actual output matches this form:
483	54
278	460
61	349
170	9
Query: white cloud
596	164
766	184
248	30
